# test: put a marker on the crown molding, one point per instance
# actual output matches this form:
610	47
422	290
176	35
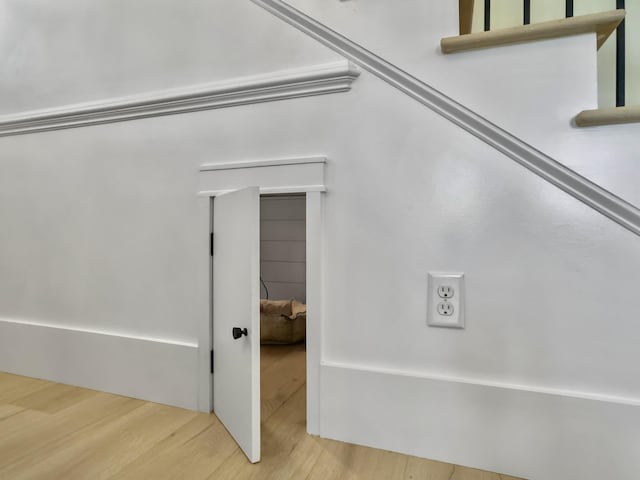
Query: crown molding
320	79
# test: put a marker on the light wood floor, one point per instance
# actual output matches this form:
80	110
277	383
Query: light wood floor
53	431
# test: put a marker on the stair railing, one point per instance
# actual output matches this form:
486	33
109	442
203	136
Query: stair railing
465	27
621	58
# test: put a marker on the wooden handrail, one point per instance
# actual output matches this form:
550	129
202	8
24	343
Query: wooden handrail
608	116
603	24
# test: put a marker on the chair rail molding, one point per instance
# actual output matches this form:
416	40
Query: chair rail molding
334	77
581	188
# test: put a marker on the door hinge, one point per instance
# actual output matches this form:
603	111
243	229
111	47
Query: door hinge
211	244
211	361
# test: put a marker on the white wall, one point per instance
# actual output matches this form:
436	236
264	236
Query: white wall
283	247
69	51
102	229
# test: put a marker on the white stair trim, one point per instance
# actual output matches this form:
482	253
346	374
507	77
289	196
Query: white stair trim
320	79
591	194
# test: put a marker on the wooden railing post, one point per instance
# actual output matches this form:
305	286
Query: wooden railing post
466	16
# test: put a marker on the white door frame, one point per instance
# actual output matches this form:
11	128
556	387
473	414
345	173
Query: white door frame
288	175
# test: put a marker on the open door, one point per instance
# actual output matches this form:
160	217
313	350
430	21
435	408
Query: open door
236	316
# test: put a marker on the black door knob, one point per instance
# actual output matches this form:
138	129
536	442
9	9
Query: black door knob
239	332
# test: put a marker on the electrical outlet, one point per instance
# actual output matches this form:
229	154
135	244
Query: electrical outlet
446	291
445	300
446	309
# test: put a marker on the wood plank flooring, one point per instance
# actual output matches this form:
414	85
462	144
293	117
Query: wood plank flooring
50	431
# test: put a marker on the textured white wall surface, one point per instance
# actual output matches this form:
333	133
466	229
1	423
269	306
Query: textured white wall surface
67	51
102	230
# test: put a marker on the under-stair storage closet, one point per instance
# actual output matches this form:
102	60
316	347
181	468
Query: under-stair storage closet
283	268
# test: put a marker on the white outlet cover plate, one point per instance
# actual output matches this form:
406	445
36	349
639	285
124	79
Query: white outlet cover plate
455	280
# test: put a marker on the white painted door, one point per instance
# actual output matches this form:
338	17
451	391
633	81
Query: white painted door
236	305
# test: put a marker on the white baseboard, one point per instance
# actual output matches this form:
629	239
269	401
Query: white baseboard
157	370
515	431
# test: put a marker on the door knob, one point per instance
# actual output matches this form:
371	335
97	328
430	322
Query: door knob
239	332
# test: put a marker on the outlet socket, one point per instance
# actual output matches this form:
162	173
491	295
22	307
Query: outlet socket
446	309
445	300
446	291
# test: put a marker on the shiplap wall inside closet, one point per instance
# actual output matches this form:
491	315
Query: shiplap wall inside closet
283	246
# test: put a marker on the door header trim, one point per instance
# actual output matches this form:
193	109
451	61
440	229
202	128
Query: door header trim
284	175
